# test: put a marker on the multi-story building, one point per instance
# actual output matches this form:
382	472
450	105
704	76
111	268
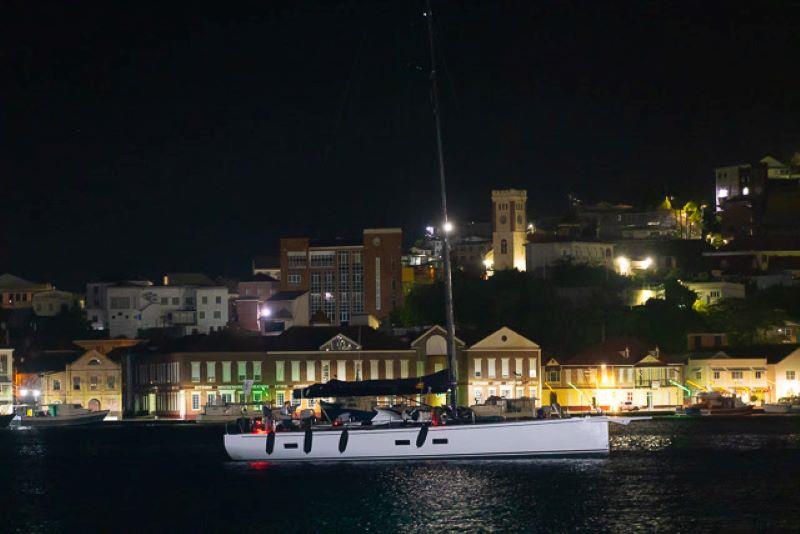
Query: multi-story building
97	299
180	378
17	293
6	380
346	280
503	364
88	378
756	374
543	252
130	307
509	229
613	374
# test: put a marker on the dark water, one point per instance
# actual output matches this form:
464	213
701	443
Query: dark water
664	475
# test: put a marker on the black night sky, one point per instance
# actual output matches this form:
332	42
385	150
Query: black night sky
163	136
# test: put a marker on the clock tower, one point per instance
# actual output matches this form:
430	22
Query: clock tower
509	228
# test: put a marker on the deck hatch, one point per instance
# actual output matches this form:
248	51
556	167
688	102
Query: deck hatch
440	441
290	445
402	442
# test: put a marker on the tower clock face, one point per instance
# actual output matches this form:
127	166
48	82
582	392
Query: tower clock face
503	219
376	241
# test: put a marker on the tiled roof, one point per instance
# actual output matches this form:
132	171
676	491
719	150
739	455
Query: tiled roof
773	353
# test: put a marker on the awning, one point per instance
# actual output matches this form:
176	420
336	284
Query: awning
435	383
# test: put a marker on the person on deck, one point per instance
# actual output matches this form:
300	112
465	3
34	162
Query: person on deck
286	415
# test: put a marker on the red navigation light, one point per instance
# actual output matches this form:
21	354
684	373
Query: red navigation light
260	466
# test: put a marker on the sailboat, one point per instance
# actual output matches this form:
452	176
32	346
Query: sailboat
445	434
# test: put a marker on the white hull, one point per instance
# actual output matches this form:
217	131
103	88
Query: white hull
581	436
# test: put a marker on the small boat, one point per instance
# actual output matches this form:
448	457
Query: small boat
714	403
784	405
777	407
228	412
57	415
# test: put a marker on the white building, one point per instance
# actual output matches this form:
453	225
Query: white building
129	308
97	300
541	254
710	293
6	380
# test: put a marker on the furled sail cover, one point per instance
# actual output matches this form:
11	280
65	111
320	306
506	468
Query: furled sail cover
436	383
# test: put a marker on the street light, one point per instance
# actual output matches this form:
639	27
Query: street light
448	227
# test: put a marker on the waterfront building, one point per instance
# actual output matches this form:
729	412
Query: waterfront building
618	373
86	377
17	293
344	280
179	377
758	374
6	380
509	229
125	308
503	364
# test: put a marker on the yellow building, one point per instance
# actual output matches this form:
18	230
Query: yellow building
618	374
88	378
757	374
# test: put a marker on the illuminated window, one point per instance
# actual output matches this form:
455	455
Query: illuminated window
195	401
195	371
476	363
279	371
93	382
280	397
211	371
737	375
56	385
257	371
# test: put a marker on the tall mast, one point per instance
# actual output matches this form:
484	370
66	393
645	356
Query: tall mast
448	279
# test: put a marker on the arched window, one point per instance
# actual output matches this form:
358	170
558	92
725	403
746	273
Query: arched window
436	346
94	361
503	246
